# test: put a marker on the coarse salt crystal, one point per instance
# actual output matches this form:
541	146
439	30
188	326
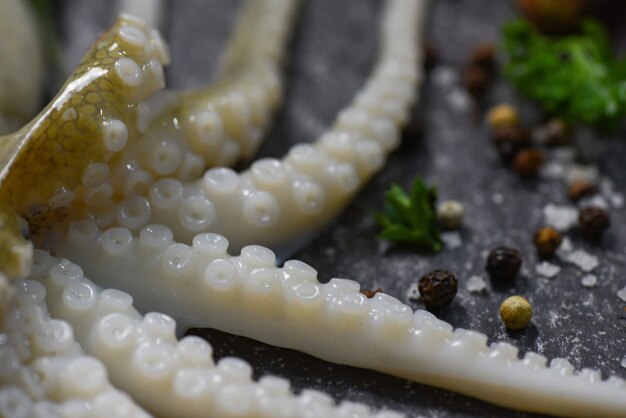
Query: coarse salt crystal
622	294
497	198
412	292
452	239
582	259
594	201
459	100
580	173
561	218
548	270
476	284
553	170
565	248
589	280
445	76
617	200
565	155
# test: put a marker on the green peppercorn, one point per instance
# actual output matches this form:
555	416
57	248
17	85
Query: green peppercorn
593	221
516	312
547	241
503	263
437	289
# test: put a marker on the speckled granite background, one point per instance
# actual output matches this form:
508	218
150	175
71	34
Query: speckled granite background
332	52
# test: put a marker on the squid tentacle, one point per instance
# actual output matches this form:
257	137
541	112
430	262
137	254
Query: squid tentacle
275	203
202	286
144	357
43	371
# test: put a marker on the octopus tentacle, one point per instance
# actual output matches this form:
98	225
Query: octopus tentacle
143	357
222	123
22	69
202	286
43	371
275	203
83	128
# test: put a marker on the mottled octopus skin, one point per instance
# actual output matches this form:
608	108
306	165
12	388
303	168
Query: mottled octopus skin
277	202
83	127
43	371
247	294
22	70
227	391
185	133
88	122
169	377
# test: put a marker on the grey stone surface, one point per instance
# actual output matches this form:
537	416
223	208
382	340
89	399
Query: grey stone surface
335	45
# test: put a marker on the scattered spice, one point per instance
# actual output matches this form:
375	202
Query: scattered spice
553	16
450	214
528	162
502	115
412	132
503	263
430	55
476	80
580	189
593	221
557	133
516	312
370	293
509	140
484	56
437	289
547	241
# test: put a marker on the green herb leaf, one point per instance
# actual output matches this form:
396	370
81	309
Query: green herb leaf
411	218
575	77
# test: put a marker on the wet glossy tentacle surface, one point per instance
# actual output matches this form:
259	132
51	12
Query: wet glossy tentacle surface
167	376
247	295
277	202
43	371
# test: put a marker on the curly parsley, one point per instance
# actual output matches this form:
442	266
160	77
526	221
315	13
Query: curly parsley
576	77
412	218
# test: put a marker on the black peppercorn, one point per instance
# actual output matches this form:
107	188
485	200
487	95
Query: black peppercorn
509	139
547	241
528	162
593	221
430	55
581	189
371	293
484	55
503	263
437	288
557	133
476	79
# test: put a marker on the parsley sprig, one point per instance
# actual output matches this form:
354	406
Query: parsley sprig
411	218
576	77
